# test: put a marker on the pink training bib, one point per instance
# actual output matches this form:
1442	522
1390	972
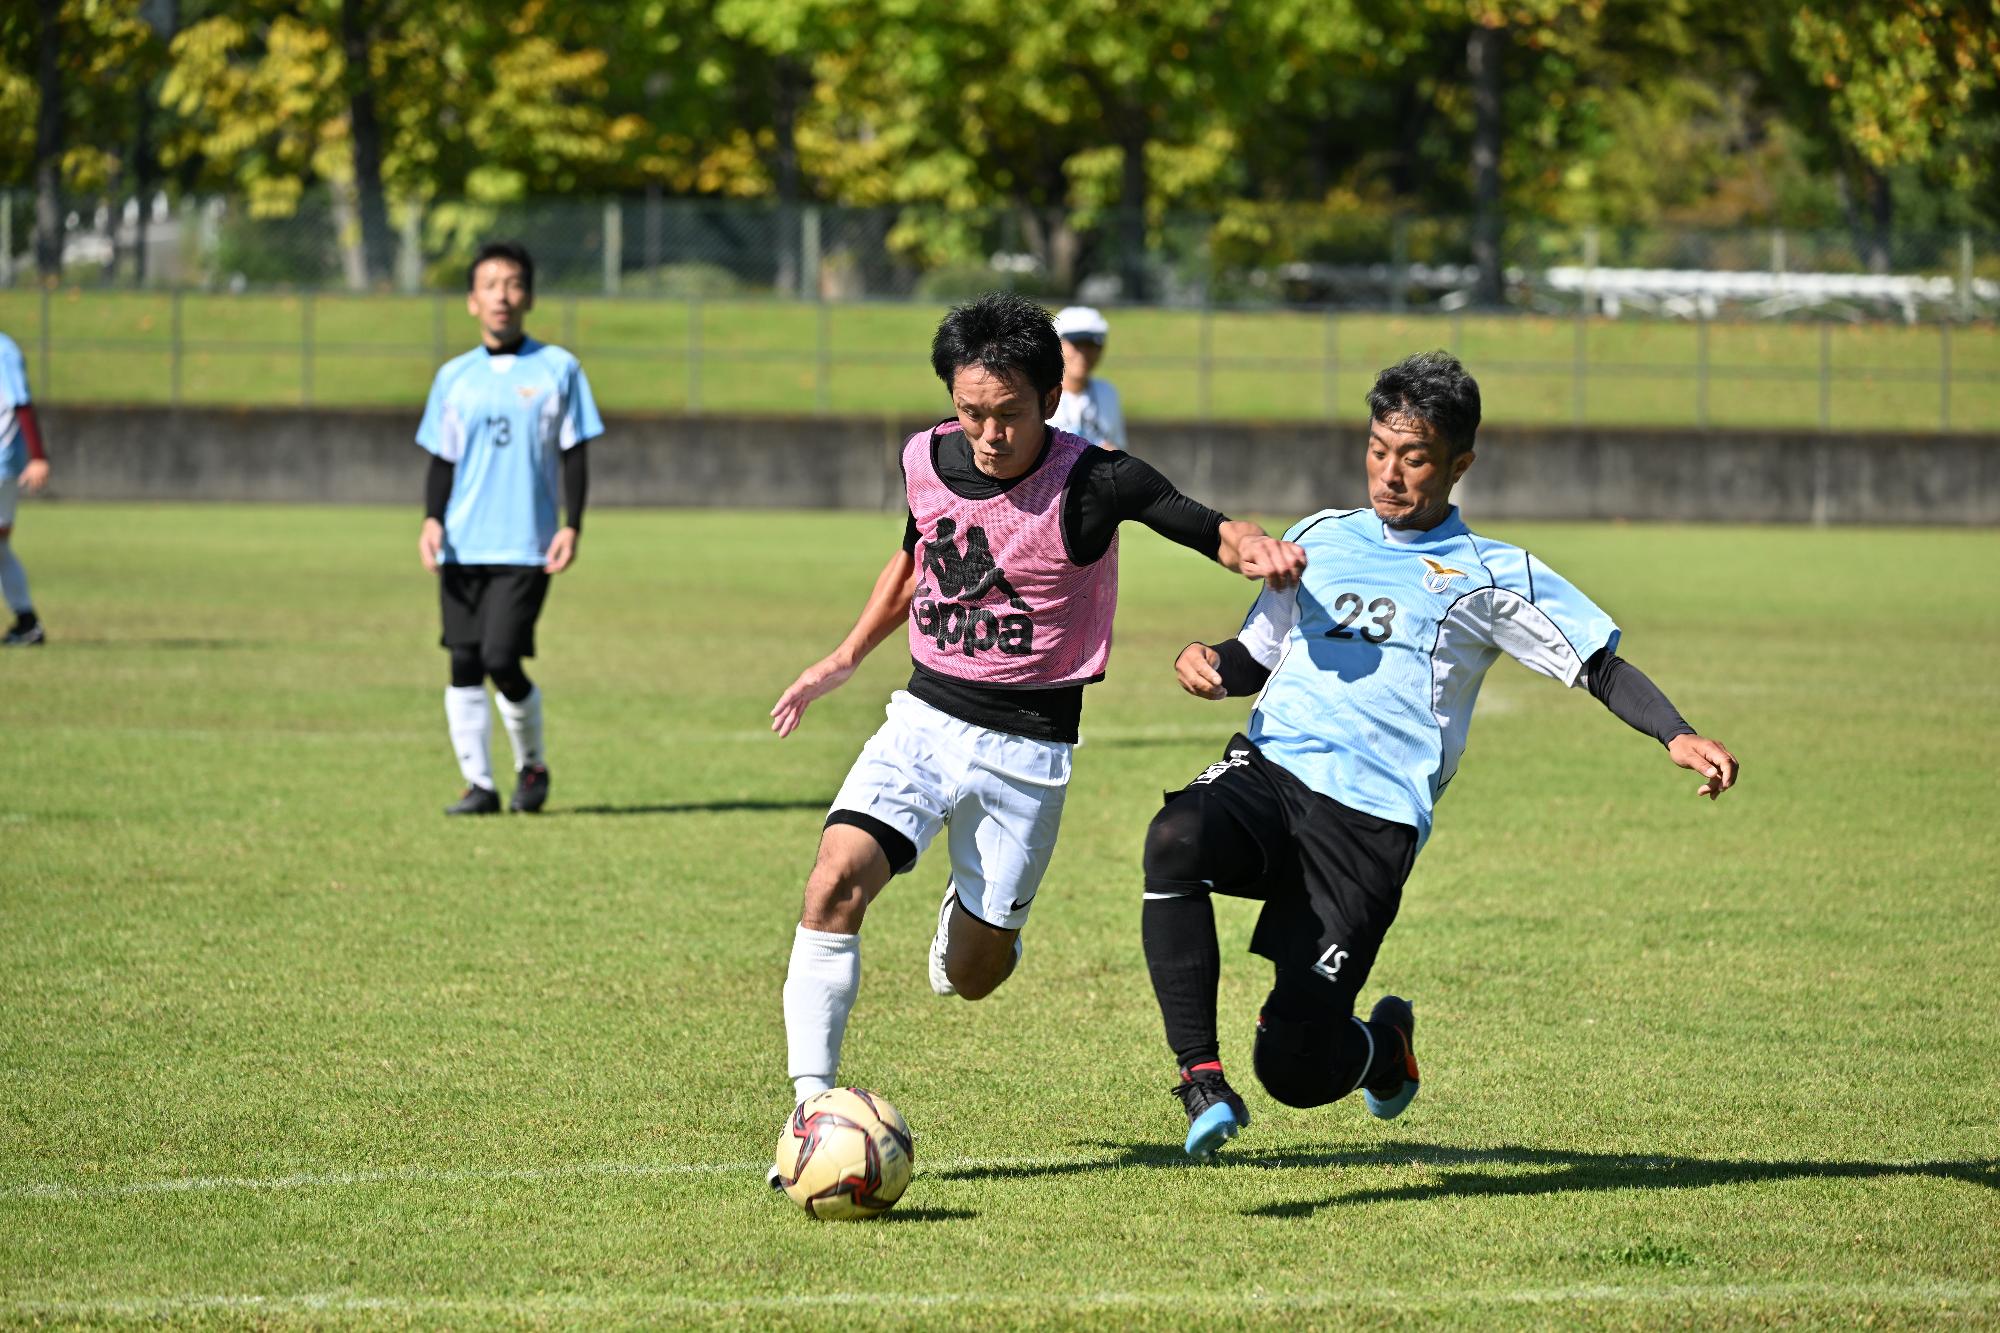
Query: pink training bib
999	601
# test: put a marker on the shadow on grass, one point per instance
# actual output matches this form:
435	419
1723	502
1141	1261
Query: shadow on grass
165	645
694	807
924	1215
1202	743
1468	1172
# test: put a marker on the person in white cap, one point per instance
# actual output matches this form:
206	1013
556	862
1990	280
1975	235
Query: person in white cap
1089	406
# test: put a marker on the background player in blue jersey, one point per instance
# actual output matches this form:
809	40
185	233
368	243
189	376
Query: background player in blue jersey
504	421
23	467
1368	672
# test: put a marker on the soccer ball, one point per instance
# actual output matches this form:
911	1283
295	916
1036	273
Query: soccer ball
845	1153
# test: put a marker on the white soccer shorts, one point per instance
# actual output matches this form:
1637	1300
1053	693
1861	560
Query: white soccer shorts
1000	796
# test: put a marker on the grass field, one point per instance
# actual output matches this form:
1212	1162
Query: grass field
283	1047
768	356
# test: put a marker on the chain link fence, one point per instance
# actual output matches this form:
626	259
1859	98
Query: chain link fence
1249	255
692	306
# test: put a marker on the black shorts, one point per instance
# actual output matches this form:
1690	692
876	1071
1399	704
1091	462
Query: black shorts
492	607
1331	877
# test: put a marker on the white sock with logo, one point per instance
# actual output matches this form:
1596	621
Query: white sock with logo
465	714
523	721
820	988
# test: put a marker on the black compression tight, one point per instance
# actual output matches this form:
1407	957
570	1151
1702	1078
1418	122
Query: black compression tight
470	667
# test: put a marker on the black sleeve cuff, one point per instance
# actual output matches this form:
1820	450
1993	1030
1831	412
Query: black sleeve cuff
1241	673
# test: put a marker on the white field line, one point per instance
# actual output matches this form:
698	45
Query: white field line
1845	1294
424	1175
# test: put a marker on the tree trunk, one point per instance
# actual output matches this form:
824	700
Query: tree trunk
367	138
165	18
1881	215
1482	60
1132	188
49	142
145	174
1413	114
1053	241
347	226
789	83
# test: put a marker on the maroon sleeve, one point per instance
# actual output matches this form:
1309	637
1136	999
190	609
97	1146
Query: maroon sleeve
31	431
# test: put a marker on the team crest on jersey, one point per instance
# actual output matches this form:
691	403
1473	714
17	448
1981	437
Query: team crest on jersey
525	390
1439	577
962	580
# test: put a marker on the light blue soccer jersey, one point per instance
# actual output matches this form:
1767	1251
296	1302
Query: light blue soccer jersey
1378	654
13	394
504	420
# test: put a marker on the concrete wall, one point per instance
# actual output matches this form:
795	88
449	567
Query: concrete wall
354	456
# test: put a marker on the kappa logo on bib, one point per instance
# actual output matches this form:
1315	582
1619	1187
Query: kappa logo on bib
961	581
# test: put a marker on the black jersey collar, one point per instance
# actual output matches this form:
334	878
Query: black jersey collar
963	477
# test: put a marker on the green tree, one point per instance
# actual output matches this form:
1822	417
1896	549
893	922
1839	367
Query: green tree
1905	89
71	75
394	100
1086	112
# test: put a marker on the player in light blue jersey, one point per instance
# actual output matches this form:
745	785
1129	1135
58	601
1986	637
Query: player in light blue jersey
1366	675
506	425
24	466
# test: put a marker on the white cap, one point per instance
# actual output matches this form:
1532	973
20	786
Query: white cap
1081	321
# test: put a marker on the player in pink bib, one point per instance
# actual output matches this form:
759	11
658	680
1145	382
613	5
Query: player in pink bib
1008	581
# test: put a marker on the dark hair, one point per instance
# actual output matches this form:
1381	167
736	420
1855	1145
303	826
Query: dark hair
512	250
1007	334
1434	388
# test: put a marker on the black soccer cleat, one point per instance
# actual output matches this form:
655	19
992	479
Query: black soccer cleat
1215	1113
1395	1087
477	800
531	789
26	632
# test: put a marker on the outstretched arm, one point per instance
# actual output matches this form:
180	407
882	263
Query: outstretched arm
1256	554
1640	704
1710	759
1241	665
1224	670
1119	488
888	606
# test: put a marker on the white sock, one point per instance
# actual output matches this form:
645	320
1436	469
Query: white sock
523	721
820	987
14	580
465	713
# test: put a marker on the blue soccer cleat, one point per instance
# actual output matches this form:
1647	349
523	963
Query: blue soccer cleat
1390	1094
1215	1113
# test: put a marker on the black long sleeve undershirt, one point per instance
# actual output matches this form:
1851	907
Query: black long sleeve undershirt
1107	488
575	483
1612	681
1632	698
437	488
1241	673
